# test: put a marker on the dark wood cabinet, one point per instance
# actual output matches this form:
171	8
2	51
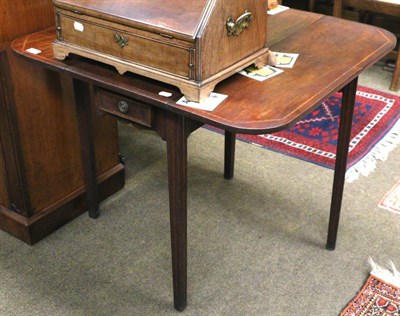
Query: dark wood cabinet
41	177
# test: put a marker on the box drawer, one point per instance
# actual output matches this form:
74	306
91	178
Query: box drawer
121	106
141	47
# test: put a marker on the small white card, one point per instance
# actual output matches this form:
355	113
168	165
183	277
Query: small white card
79	26
33	51
278	9
210	104
285	60
261	74
165	94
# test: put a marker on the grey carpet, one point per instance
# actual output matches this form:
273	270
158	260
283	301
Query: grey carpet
256	243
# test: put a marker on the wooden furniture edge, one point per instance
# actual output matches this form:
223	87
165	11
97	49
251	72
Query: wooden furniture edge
33	229
240	127
191	89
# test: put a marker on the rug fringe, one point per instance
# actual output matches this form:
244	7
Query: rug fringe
390	276
380	152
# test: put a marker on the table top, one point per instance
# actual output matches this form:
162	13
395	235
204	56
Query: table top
332	53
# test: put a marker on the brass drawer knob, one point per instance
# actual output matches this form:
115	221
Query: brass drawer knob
123	106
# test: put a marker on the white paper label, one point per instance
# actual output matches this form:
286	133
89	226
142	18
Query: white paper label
78	26
165	94
33	51
210	104
278	9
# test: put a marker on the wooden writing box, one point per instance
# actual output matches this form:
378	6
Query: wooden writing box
192	44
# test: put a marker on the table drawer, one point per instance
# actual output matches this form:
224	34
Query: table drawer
127	108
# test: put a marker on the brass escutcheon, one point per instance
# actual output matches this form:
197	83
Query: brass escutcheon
120	40
242	23
123	106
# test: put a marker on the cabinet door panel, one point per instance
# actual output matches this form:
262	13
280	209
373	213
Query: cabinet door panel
49	137
40	163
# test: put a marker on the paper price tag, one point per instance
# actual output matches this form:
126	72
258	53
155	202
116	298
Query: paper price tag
285	60
278	9
261	74
165	94
210	104
33	51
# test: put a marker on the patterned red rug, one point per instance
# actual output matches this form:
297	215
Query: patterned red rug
391	200
380	295
375	132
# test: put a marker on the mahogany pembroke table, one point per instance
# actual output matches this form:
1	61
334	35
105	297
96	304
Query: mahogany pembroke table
333	52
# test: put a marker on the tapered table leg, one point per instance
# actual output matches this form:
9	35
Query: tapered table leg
176	137
346	118
85	126
229	158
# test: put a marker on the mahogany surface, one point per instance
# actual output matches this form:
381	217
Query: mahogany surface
41	177
251	107
16	18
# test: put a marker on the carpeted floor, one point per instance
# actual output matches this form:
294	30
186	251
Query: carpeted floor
256	243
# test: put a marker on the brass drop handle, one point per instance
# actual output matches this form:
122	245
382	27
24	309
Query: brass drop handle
121	40
242	23
123	106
